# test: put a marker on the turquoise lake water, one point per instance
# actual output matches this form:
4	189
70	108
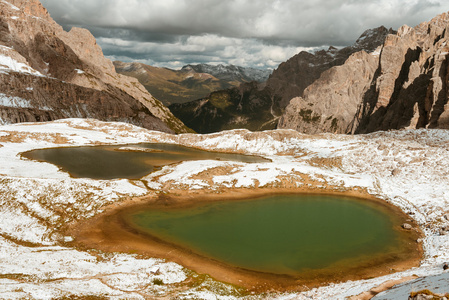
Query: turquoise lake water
278	234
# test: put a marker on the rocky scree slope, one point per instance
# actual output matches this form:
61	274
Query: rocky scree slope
404	84
191	82
258	106
47	73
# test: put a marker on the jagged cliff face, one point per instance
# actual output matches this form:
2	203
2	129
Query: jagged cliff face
191	82
293	76
404	84
259	106
47	73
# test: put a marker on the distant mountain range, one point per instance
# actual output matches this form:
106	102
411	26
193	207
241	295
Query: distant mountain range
191	82
258	106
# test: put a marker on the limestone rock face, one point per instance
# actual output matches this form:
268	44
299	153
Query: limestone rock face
403	84
69	62
259	106
292	77
340	87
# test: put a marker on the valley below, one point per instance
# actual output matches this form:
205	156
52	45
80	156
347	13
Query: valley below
43	255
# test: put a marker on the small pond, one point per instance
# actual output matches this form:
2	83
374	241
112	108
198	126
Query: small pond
279	234
130	161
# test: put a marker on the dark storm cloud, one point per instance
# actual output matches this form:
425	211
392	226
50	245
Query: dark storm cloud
170	32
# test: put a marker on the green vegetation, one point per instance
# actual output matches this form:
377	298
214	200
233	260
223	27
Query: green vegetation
203	282
220	100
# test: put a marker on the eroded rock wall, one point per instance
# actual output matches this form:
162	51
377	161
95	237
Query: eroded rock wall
30	35
404	86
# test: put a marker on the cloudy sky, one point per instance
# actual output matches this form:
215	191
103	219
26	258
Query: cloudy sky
256	33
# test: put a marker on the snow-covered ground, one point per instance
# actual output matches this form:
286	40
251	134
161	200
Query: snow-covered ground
407	168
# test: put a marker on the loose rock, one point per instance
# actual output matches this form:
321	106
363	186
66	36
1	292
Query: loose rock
407	226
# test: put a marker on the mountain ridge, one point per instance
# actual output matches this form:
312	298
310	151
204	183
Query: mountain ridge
259	106
230	72
72	63
403	86
191	82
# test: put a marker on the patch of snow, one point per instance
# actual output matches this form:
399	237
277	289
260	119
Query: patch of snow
406	168
8	63
79	71
18	102
376	52
6	48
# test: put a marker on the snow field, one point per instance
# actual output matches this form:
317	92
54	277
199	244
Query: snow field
406	168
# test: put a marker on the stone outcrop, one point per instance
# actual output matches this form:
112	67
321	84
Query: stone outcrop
68	74
259	106
404	84
330	103
292	77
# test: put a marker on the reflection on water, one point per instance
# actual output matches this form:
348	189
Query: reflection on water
125	161
282	234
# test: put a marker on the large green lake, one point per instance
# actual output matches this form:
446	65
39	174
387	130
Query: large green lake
125	161
281	234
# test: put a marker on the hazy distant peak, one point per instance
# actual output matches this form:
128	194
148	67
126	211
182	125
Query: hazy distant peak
230	72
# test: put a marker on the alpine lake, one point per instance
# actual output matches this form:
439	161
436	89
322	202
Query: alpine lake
288	237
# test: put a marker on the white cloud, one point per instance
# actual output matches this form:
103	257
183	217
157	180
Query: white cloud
236	29
199	49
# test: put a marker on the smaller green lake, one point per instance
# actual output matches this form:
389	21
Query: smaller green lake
281	234
130	161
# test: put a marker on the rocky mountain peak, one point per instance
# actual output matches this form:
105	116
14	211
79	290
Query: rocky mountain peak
405	84
259	106
291	78
31	38
372	38
29	7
